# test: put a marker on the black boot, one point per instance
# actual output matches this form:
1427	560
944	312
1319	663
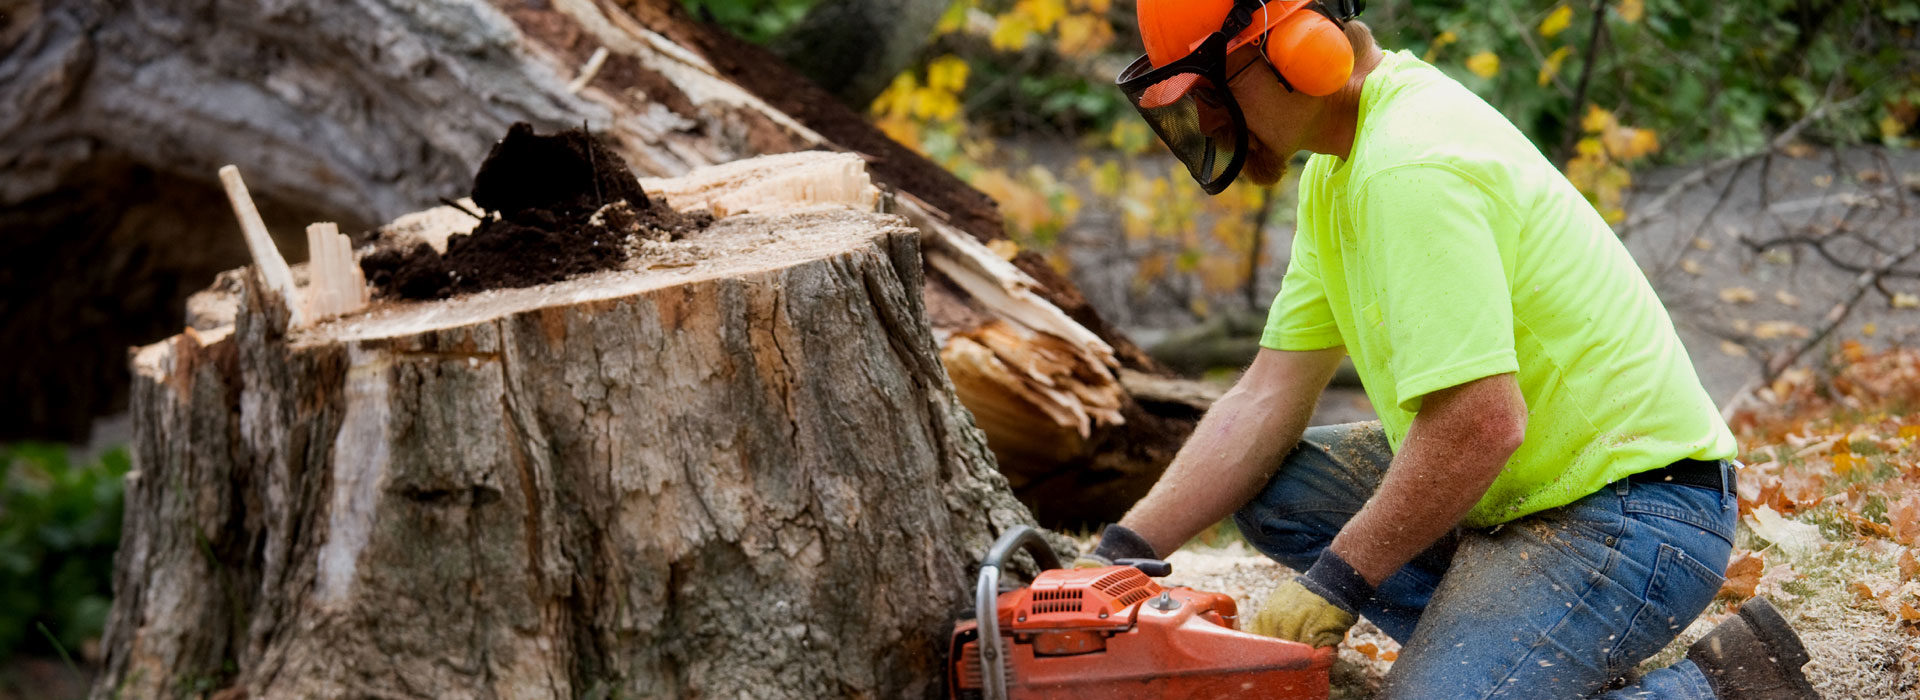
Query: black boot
1754	656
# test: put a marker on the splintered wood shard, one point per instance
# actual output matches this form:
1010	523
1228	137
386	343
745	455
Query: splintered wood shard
771	183
266	258
335	284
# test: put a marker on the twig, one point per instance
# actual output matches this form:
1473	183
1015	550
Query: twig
588	71
463	208
1657	206
1594	36
1838	314
1258	246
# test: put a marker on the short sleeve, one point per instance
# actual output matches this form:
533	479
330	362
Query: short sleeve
1300	318
1442	287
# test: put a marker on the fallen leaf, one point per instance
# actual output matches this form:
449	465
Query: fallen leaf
1904	518
1003	248
1768	330
1743	575
1371	650
1903	300
1909	567
1732	349
1869	328
1862	590
1790	536
1389	655
1737	295
1786	298
1867	527
1770	582
1691	266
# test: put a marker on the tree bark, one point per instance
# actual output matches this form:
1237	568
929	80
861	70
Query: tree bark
744	478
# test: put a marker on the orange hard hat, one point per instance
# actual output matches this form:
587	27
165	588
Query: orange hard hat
1302	41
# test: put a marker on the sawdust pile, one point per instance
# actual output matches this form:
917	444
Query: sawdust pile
556	206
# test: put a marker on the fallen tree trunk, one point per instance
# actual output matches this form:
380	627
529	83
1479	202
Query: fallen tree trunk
731	469
364	110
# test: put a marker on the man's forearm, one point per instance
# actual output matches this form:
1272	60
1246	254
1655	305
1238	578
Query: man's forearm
1235	449
1454	449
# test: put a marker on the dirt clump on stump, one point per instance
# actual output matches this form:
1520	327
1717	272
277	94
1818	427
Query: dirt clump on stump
557	205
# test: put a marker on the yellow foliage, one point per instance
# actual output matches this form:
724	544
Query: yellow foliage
1484	64
953	19
895	101
1043	13
1011	32
1098	7
1632	10
1597	120
1082	36
1556	21
1131	136
1552	66
1440	42
947	73
1891	128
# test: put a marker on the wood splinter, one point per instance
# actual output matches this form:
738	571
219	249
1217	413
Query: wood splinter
335	284
266	258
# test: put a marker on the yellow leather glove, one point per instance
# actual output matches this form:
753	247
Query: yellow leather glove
1295	613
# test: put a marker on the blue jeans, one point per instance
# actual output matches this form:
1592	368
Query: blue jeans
1553	605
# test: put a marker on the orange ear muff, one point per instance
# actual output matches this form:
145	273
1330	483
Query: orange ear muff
1312	52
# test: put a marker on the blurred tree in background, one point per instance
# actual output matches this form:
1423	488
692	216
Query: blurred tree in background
1016	97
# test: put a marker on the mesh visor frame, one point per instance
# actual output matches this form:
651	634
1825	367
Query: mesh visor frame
1166	98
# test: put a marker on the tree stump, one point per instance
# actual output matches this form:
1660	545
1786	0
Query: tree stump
739	474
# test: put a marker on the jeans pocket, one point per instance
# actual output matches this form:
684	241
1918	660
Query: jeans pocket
1679	588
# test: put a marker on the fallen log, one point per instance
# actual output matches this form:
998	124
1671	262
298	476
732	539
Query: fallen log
731	469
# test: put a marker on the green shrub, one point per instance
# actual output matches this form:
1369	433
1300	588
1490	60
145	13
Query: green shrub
59	527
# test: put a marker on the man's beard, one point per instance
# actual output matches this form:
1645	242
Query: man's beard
1263	166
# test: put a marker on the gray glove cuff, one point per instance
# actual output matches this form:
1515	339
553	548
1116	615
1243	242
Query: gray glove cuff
1334	579
1120	543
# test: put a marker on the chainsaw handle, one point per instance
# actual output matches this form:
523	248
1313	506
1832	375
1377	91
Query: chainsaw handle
1021	536
993	671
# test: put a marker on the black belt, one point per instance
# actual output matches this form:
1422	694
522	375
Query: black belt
1687	472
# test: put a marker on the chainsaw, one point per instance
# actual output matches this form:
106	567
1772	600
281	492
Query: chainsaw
1113	632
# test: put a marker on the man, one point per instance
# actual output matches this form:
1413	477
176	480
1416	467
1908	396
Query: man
1547	497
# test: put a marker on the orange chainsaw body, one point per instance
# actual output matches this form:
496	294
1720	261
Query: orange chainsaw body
1112	632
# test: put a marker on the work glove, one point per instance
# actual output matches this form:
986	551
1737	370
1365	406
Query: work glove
1116	543
1315	608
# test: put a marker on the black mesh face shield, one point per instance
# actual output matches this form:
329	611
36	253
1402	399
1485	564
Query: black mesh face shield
1188	104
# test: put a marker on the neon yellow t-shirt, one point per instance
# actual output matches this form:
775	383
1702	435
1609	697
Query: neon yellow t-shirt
1446	248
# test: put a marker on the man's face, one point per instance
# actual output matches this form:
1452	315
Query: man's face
1277	118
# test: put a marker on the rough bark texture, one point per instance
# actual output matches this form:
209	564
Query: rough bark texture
362	110
745	478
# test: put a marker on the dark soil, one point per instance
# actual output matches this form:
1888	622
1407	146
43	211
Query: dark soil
557	206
